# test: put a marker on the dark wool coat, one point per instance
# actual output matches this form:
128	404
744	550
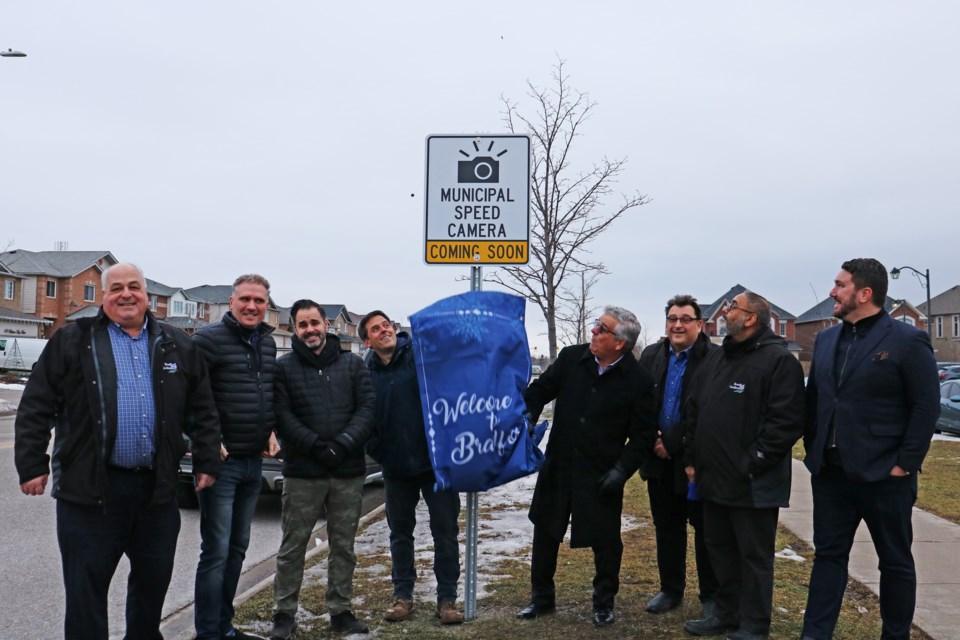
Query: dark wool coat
319	399
598	421
656	359
743	416
242	382
74	390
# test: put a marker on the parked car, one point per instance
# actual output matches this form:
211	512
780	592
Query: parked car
950	373
535	370
949	420
272	475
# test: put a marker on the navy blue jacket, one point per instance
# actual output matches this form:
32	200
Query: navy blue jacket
399	441
884	409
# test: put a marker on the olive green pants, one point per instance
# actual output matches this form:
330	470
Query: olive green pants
303	501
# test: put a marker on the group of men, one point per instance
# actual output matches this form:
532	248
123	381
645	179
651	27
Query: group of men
709	427
122	389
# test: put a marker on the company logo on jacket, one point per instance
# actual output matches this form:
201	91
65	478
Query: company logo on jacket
738	387
170	367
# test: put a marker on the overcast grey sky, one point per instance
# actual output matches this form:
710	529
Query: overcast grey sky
206	139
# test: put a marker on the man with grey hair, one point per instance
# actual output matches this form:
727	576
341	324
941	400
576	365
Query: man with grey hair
121	389
744	412
604	426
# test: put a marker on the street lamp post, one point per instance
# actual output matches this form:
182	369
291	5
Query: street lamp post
895	273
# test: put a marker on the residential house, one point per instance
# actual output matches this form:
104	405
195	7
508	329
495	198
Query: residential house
820	317
782	322
57	284
14	322
944	315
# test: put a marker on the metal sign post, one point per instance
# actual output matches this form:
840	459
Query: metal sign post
477	211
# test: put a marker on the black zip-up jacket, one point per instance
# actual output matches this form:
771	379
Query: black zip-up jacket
320	399
399	441
242	383
73	388
656	359
744	413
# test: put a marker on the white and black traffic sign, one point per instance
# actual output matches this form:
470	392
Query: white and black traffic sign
477	199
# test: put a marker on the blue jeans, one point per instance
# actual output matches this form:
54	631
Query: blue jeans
226	511
403	494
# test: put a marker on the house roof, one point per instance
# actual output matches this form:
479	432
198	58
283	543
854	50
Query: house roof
6	271
216	294
823	310
183	322
710	310
19	316
947	302
160	289
62	264
86	312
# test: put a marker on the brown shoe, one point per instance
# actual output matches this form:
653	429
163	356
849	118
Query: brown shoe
448	613
399	611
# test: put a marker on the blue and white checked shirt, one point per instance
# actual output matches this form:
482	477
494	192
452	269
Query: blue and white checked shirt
135	411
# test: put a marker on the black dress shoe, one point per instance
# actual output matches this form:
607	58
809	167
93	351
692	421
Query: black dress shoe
663	602
534	610
603	617
710	626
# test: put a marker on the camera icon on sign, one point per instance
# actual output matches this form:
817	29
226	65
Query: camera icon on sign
479	169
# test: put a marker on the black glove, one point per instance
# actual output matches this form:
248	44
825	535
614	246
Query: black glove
611	483
333	455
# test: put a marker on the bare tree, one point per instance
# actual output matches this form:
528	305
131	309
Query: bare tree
568	208
574	310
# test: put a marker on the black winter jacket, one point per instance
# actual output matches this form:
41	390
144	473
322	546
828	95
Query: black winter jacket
73	388
599	421
320	399
242	383
399	441
655	358
744	413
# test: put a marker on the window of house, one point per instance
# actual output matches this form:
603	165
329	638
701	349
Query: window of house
191	308
956	326
51	288
907	320
9	289
721	326
938	327
89	293
178	307
200	311
783	328
154	303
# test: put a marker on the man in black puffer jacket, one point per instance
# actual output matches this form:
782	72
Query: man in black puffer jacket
241	358
325	406
400	445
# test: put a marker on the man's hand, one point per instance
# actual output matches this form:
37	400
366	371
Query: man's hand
691	474
659	450
224	454
204	480
36	486
898	472
611	483
273	447
333	455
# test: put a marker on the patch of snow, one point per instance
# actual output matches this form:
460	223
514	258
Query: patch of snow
789	554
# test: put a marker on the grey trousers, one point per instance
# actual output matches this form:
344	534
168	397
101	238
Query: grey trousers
302	501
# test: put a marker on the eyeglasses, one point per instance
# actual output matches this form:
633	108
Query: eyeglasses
600	328
684	320
733	305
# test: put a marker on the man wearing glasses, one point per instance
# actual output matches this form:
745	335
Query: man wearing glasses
743	415
399	444
604	426
672	362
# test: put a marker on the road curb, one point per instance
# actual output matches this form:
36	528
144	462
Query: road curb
179	625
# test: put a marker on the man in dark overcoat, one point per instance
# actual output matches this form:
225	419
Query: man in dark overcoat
604	426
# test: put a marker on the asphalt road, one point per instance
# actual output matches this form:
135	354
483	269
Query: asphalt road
31	592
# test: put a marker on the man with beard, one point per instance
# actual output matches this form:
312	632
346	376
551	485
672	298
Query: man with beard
673	362
872	405
743	415
325	406
399	444
604	426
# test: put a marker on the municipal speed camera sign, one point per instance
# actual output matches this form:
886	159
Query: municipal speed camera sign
477	199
